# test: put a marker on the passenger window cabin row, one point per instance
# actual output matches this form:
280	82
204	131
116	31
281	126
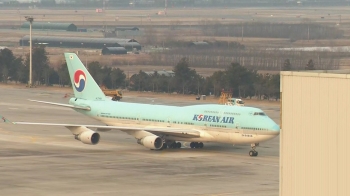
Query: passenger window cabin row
253	128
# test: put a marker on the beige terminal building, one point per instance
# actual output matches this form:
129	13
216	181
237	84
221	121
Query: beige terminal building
315	135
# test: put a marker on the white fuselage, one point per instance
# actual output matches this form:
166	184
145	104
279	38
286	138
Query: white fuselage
207	134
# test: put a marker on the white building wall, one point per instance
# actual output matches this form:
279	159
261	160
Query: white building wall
314	156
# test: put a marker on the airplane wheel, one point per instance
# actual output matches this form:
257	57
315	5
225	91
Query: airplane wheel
200	145
197	144
165	146
253	153
178	145
192	145
172	145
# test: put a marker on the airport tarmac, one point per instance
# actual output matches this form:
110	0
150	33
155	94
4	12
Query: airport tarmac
39	160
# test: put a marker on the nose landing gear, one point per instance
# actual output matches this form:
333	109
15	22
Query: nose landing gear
253	153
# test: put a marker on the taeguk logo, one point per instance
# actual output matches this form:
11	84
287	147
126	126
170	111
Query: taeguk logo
79	80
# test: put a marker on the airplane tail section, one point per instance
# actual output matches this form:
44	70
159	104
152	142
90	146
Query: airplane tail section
84	86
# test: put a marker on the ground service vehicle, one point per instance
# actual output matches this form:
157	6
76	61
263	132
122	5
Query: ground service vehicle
226	99
115	94
234	101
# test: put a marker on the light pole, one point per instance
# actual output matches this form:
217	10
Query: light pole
30	19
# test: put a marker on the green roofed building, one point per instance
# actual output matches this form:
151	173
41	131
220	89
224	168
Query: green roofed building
114	50
51	26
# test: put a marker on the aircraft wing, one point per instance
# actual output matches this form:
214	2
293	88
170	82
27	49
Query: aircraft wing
155	130
187	133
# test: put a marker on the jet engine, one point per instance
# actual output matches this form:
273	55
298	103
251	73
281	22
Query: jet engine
152	142
88	137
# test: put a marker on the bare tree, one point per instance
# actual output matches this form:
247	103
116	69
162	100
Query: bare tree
286	65
150	35
310	65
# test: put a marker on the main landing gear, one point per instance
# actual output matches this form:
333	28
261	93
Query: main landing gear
253	153
196	145
172	145
176	145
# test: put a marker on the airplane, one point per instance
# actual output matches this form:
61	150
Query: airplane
158	127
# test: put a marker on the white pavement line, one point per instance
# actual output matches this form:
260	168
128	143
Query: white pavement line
250	163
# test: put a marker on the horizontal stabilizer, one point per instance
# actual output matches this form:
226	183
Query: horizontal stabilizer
63	105
5	120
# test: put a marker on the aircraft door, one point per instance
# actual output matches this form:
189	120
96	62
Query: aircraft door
238	128
138	119
98	113
236	133
168	122
205	126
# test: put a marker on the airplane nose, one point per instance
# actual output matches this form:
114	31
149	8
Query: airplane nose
276	128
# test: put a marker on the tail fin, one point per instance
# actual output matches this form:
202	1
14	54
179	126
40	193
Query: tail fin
84	86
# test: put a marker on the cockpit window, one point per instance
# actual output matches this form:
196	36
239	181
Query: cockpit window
260	113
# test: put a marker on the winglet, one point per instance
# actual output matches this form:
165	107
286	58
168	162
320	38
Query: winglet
5	120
